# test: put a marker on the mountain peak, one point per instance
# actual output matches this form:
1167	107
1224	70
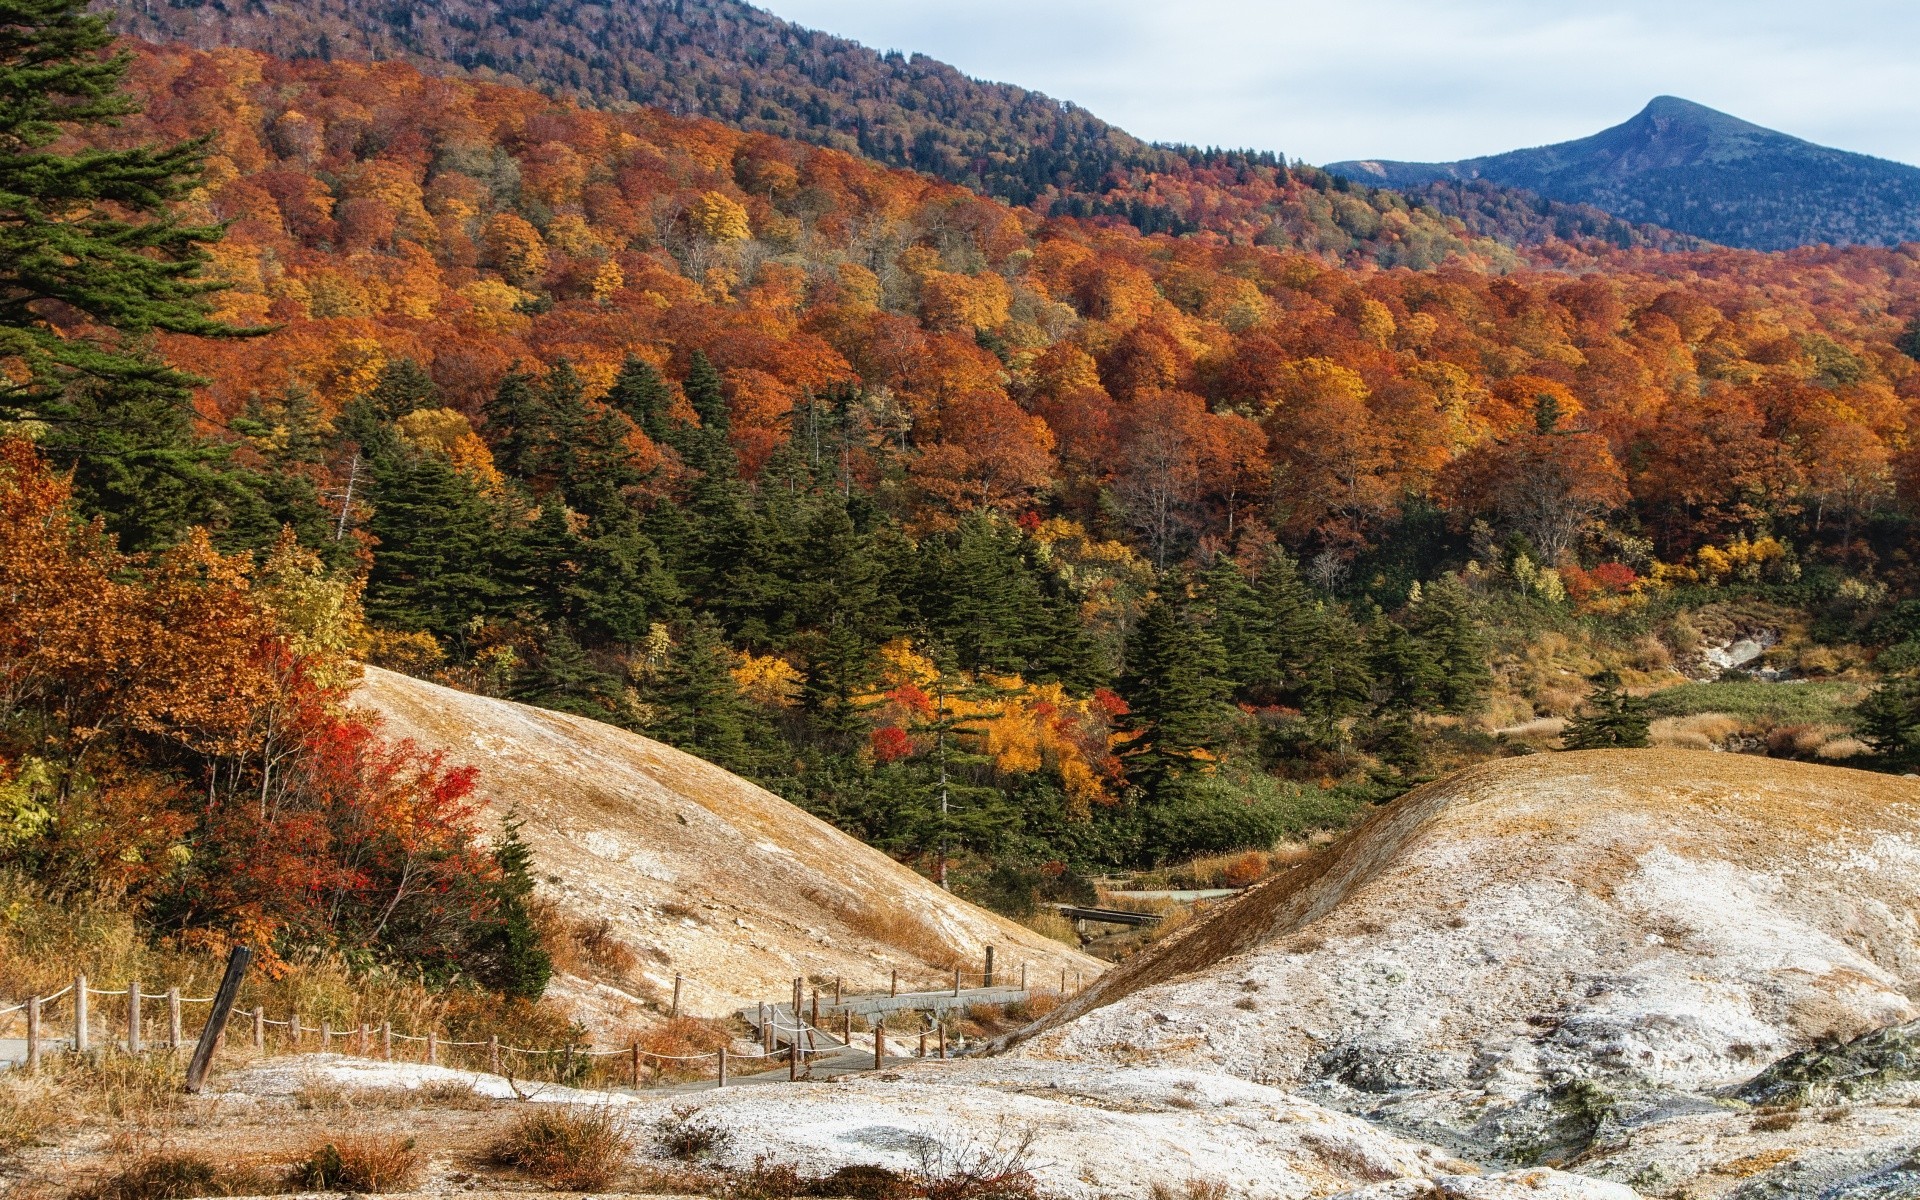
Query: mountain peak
1687	167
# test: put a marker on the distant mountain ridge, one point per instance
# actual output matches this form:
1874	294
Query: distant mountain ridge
1702	172
731	62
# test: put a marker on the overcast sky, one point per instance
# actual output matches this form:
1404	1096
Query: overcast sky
1425	80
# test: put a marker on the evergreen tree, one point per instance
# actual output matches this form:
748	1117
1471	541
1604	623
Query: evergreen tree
640	392
506	956
1610	719
1407	678
950	809
1176	690
709	447
138	464
705	712
1329	670
1290	623
403	386
94	232
1243	621
1444	620
562	677
439	559
516	424
1889	719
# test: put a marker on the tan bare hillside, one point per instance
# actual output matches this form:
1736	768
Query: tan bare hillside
697	870
1653	922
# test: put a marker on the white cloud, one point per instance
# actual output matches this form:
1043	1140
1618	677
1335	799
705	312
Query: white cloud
1423	79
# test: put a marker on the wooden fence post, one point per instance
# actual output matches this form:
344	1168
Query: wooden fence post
386	1040
223	999
723	1068
956	981
293	1031
815	1020
923	1043
493	1054
1023	976
675	1011
80	1014
133	1016
879	1041
33	1032
360	1043
943	1039
433	1047
1063	981
846	1028
797	996
836	991
174	1036
326	1037
259	1027
634	1073
987	979
893	989
766	1030
793	1059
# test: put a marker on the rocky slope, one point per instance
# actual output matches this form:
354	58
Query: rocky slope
1528	959
696	870
1689	168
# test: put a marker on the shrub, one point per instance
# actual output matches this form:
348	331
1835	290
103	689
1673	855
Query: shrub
578	1149
177	1176
688	1139
864	1182
359	1163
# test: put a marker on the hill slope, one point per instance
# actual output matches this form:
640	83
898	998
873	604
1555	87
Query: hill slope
728	61
697	870
1656	923
1689	168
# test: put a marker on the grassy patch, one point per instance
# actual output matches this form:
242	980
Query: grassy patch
360	1163
1798	702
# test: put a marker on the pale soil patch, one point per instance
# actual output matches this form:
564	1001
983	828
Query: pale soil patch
697	871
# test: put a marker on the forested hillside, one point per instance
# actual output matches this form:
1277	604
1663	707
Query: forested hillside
1686	167
736	64
856	482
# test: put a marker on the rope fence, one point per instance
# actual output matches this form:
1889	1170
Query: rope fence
76	1028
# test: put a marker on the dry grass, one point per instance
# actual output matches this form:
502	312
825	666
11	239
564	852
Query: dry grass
1049	923
361	1162
901	930
182	1174
682	1037
1701	731
580	1149
603	950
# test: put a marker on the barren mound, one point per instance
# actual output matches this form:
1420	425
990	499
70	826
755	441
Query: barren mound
696	870
1538	932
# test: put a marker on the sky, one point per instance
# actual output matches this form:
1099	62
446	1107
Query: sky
1422	80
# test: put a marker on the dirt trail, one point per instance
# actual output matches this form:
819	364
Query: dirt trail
695	869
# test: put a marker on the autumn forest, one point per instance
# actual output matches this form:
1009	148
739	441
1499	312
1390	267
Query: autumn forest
1027	543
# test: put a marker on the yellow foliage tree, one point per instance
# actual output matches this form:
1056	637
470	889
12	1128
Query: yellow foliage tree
719	218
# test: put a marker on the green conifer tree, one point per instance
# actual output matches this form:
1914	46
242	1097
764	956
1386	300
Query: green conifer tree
1243	620
1445	621
1176	689
441	559
505	954
1609	720
94	232
640	392
705	713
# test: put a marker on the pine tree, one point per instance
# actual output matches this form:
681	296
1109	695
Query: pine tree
1243	620
640	392
706	714
138	463
402	387
1290	623
949	809
708	448
93	232
1889	719
1329	667
439	559
1176	690
506	955
1407	677
516	424
1444	620
1610	719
